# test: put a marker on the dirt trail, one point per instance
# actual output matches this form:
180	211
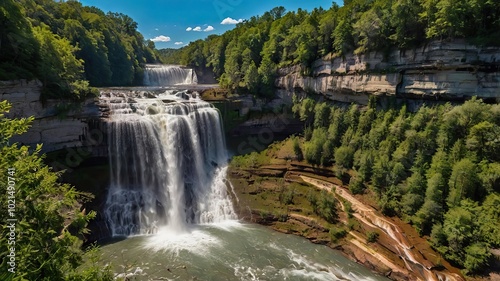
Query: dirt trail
414	261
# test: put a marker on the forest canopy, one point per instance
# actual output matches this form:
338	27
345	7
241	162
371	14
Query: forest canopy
247	57
437	168
70	47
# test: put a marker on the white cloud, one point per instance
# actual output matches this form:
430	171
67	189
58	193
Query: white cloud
179	43
209	28
161	38
189	29
156	29
231	21
197	28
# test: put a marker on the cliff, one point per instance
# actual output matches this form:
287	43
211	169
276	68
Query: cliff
58	124
439	70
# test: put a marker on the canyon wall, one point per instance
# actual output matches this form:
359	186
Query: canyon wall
439	70
58	124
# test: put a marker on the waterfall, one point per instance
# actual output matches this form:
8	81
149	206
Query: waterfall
168	75
168	163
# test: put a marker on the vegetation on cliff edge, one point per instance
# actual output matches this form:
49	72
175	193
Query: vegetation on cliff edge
70	47
246	58
438	168
44	243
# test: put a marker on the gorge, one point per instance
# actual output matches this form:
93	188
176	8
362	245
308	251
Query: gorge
169	193
191	191
354	141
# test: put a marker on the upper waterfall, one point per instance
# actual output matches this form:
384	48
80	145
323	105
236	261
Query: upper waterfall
168	162
168	75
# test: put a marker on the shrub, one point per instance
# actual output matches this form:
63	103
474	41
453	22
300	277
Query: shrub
337	233
372	236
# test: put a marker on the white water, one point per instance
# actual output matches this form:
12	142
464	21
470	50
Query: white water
168	75
168	163
230	251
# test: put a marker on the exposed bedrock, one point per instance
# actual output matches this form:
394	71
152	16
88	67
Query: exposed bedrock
439	70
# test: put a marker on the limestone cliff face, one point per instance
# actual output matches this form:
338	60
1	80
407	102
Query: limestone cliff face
440	70
57	126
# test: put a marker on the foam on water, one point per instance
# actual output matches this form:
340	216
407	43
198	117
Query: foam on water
194	240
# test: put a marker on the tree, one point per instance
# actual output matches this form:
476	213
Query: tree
267	74
18	47
50	220
297	150
343	41
464	182
447	19
344	156
464	243
489	218
322	115
380	173
251	78
305	110
490	176
429	215
277	12
366	165
408	30
59	68
327	205
477	256
483	139
314	148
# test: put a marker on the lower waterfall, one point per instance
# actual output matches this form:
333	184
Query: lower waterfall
168	163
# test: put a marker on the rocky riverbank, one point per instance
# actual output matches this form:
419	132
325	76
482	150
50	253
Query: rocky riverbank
273	189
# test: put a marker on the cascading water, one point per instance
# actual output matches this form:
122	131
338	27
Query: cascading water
168	75
168	163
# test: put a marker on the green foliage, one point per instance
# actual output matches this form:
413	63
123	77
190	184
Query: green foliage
356	185
337	233
305	110
372	236
421	166
70	47
348	209
489	219
327	207
18	48
58	67
113	50
169	56
91	270
50	220
460	238
344	156
313	200
275	40
251	79
314	148
252	160
286	197
464	183
297	150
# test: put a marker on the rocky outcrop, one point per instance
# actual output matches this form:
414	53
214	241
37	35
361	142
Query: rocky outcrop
439	70
57	124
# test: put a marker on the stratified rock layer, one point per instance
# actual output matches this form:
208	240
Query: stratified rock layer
439	71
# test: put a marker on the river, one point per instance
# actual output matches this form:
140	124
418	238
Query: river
229	251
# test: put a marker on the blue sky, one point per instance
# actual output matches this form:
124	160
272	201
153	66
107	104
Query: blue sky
175	23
